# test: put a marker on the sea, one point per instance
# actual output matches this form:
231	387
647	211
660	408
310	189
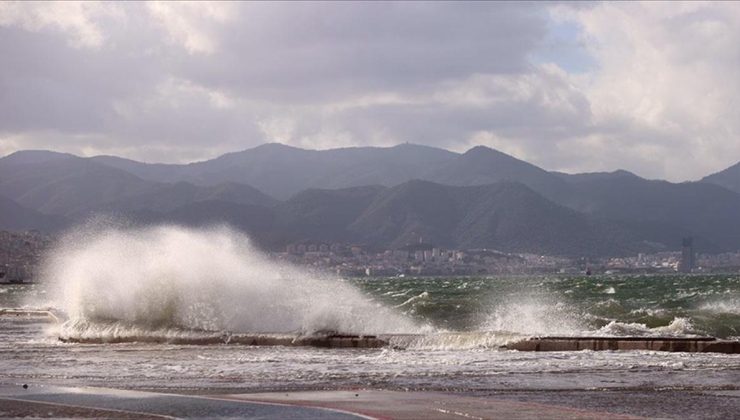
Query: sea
136	296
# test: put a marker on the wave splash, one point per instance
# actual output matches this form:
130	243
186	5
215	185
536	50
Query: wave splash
535	316
678	327
171	278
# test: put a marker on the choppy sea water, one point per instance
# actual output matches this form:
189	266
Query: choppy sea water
173	282
463	358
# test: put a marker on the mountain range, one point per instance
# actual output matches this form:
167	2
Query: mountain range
381	197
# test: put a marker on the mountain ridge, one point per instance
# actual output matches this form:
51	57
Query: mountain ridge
336	195
728	178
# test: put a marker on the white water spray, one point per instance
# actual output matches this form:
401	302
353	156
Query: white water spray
535	316
174	278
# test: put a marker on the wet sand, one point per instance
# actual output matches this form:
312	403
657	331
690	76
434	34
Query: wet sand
426	405
52	401
17	408
44	401
650	403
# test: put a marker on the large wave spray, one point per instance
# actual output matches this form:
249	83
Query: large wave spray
177	278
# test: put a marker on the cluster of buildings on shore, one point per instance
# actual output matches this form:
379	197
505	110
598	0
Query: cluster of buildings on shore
21	253
417	259
427	260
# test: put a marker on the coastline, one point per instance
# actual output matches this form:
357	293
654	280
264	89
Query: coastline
95	402
41	401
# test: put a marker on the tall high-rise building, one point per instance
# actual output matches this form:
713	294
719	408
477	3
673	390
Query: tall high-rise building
687	262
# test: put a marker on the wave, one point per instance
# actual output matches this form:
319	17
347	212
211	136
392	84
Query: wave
454	341
679	327
727	306
83	331
76	331
412	301
535	316
171	278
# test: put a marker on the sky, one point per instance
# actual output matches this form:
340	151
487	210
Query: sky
652	88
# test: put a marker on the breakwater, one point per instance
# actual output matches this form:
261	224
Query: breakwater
332	341
564	343
668	344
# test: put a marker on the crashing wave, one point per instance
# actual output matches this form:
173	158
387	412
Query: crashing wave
171	278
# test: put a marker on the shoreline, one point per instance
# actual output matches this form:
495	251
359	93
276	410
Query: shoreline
95	402
43	400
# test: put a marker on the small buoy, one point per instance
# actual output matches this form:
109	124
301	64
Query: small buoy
25	386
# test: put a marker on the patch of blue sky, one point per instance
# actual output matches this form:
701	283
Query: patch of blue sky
564	46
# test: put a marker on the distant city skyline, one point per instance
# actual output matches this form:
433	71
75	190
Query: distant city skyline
581	87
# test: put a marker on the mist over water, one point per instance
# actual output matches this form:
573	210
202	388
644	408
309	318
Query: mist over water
113	280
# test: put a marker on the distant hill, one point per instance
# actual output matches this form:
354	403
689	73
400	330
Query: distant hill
63	184
168	197
482	165
73	187
282	171
323	215
158	172
728	178
255	220
663	211
26	157
594	176
15	217
506	216
381	196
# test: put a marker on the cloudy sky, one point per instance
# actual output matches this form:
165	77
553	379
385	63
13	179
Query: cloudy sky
653	88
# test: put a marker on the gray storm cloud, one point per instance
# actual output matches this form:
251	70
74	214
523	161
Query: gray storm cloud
188	81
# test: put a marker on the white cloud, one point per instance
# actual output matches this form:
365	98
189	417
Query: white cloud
665	84
78	21
178	81
278	129
193	25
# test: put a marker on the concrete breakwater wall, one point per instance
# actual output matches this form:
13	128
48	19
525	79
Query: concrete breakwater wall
670	344
329	341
